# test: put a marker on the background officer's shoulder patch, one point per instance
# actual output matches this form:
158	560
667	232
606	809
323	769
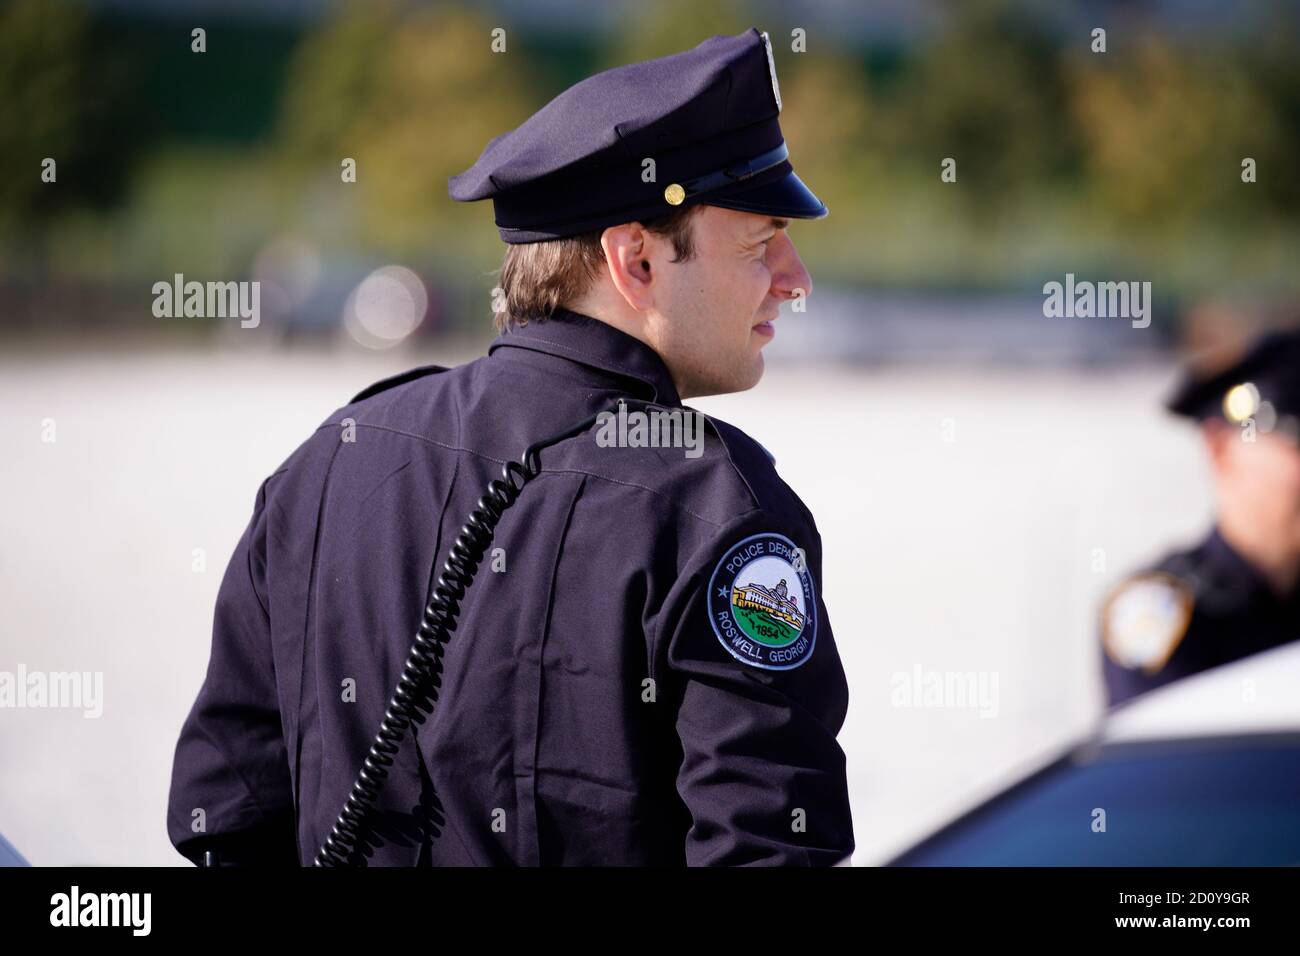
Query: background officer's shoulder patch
762	603
1145	618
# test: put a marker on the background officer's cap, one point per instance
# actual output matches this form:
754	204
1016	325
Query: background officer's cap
1263	384
707	117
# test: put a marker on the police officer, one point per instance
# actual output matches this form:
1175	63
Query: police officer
643	670
1237	592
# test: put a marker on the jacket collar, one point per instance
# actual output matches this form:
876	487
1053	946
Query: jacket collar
1229	569
596	344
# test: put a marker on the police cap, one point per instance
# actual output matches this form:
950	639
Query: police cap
1263	384
707	118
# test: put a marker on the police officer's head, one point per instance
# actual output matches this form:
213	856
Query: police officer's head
1249	413
656	197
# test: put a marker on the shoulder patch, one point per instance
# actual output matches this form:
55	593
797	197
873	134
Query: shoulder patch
1144	619
401	378
762	603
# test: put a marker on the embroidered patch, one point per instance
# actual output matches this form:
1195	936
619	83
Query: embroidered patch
762	604
1144	620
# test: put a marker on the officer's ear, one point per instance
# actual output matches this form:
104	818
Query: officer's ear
627	259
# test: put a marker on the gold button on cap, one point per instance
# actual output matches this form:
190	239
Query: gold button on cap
674	195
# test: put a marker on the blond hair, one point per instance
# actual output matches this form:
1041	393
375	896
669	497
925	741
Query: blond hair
539	277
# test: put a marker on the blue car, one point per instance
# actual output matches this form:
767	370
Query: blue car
1202	772
10	856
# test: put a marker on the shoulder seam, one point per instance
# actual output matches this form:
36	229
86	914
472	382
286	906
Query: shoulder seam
261	501
731	459
392	381
556	471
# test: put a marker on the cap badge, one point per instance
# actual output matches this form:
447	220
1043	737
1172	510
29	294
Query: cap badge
771	68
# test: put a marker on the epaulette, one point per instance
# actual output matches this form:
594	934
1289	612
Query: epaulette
1144	618
737	442
393	381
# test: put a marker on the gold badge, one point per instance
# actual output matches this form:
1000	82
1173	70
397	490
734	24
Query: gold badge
674	195
1241	402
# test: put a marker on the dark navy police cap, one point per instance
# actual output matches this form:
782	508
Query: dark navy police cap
1263	384
707	117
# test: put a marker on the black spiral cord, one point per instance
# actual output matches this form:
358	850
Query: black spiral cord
417	690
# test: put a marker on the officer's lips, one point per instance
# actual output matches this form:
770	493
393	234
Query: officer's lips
766	328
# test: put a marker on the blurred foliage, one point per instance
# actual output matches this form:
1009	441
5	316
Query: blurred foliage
1066	159
413	99
61	93
671	26
986	93
1165	133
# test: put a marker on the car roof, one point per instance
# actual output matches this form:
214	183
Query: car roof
1254	695
9	855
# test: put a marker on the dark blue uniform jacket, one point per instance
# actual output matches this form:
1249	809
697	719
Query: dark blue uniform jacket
1234	613
598	705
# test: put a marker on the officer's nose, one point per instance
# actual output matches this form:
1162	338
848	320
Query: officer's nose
790	279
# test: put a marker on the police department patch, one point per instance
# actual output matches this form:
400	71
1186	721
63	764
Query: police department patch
762	604
1145	619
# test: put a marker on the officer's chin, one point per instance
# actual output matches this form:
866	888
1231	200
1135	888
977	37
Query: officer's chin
756	369
745	376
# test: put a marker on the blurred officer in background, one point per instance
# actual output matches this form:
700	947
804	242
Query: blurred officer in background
1238	591
645	672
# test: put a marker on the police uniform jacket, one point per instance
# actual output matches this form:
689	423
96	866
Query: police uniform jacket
644	673
1194	610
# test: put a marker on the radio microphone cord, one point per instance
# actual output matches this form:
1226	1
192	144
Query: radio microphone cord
417	690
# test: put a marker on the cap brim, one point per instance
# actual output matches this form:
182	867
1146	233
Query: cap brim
787	197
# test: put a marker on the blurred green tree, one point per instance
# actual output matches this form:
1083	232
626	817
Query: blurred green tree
56	87
987	92
1164	133
671	26
413	95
